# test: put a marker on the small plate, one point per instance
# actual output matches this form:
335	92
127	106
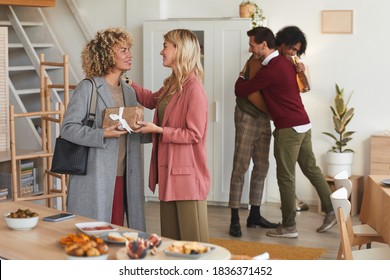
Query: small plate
386	182
188	256
101	257
143	235
96	228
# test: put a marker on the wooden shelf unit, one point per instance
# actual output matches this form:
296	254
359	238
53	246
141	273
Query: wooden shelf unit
40	159
380	154
47	187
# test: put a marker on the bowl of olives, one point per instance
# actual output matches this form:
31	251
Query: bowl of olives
21	219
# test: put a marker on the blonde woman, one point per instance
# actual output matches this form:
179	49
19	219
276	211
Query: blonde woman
113	184
179	127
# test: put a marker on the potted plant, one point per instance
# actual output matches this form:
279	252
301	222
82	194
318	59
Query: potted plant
340	157
249	9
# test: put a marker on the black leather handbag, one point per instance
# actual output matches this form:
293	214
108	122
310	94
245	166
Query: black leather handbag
68	157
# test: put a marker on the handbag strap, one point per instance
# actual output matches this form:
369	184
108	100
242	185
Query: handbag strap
92	105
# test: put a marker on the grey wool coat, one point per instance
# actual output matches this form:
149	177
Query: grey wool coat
92	195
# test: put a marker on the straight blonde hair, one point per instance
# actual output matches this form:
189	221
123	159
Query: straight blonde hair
187	60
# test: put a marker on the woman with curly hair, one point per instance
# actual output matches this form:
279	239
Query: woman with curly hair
113	184
179	127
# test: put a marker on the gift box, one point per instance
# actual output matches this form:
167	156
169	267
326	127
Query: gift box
131	114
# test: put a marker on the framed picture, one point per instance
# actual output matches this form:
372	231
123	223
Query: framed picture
337	21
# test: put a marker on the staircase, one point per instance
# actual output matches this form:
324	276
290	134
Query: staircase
28	36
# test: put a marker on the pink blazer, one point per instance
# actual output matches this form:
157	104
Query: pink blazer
178	162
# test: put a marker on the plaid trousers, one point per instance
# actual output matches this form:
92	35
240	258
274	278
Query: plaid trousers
252	141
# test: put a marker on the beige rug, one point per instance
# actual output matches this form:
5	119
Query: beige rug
276	251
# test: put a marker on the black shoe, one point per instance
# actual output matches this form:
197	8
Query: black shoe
260	222
235	230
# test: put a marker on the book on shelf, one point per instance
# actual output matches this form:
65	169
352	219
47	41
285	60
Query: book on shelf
35	182
29	192
3	189
26	189
27	180
26	177
6	181
29	165
26	173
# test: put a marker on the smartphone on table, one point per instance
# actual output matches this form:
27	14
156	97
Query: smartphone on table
58	217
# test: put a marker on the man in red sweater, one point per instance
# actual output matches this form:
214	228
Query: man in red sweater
276	80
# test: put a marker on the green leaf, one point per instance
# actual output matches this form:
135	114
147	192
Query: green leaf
341	116
348	133
330	135
348	115
340	105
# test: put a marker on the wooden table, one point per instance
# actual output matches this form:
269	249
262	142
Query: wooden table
375	209
41	243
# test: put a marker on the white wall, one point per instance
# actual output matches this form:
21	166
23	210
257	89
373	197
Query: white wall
351	60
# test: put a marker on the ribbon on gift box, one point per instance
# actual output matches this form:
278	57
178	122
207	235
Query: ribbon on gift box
123	122
132	114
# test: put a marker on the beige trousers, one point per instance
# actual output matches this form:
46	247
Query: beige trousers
184	220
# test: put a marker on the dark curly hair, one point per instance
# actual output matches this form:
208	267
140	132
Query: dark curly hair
289	36
98	56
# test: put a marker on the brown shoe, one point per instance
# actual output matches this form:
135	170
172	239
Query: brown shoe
329	221
284	232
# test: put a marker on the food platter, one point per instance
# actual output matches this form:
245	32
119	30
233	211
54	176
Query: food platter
215	253
80	246
96	228
188	249
104	236
188	256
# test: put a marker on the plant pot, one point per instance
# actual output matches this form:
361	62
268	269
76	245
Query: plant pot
246	11
337	162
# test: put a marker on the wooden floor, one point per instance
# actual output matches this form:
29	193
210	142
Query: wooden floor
307	222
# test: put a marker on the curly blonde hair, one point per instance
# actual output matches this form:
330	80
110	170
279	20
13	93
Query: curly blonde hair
187	59
98	56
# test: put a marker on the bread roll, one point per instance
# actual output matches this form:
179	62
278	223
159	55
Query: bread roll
116	236
130	235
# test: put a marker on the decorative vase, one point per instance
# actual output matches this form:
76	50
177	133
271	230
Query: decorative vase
247	10
337	162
